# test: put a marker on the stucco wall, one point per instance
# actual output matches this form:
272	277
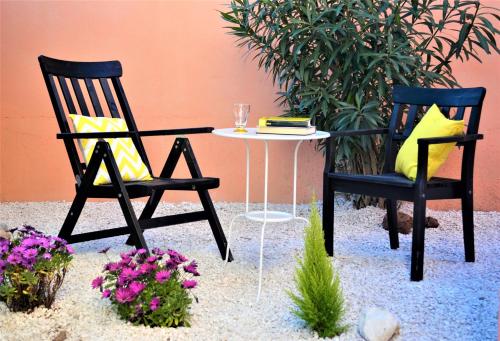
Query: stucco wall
180	70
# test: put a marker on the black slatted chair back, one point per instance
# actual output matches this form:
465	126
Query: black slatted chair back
411	103
82	85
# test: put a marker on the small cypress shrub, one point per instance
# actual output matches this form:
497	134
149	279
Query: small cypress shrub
319	301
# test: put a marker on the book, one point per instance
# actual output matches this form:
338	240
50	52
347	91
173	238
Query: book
286	130
282	121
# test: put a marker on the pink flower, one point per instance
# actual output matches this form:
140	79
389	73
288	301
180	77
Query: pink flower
47	256
136	287
163	276
124	295
147	268
189	284
112	267
106	293
151	259
192	268
97	282
70	249
154	304
128	274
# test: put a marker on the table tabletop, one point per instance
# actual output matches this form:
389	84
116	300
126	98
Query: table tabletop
252	135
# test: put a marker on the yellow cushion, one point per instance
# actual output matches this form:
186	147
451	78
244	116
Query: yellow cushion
433	124
129	162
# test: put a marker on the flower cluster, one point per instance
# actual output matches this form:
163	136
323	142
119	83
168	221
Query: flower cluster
149	289
32	268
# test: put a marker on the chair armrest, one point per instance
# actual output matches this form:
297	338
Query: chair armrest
124	134
359	132
460	140
180	131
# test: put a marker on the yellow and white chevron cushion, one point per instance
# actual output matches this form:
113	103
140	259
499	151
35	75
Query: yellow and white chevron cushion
129	162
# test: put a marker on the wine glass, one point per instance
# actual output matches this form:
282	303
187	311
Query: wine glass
241	112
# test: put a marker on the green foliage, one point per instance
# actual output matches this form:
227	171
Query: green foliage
337	60
320	302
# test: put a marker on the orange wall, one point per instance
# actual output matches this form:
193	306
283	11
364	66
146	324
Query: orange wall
181	69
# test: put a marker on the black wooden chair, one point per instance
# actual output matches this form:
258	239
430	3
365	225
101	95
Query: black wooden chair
105	73
408	102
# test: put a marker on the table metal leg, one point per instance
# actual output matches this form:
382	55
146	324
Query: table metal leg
295	156
248	175
266	169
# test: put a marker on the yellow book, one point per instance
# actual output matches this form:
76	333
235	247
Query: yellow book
283	121
286	130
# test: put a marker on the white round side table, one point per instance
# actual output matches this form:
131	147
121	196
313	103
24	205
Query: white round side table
264	216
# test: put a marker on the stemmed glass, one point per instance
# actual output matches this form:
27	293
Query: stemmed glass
241	112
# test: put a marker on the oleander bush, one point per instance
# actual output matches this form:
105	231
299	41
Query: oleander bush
152	290
337	60
32	268
319	301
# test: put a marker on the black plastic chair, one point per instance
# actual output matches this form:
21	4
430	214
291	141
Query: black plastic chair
408	102
105	73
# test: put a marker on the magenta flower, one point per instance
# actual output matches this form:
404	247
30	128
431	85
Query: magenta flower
192	268
128	275
163	276
154	304
18	249
158	252
112	267
136	287
30	253
151	259
97	282
124	295
3	265
70	249
176	256
14	259
146	268
189	284
47	256
141	252
106	293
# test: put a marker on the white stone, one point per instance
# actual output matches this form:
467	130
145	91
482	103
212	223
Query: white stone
376	324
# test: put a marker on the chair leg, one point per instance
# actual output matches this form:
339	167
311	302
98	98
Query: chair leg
468	226
147	212
417	253
328	215
392	222
123	199
215	225
72	217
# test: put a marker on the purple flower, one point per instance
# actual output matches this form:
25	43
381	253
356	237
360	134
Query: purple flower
128	275
192	268
47	256
18	249
30	242
151	259
106	293
158	252
4	246
141	251
70	249
147	268
136	287
30	253
176	256
97	282
112	267
154	304
3	265
189	284
124	295
14	259
163	276
171	264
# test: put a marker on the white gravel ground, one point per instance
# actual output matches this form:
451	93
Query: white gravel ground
455	301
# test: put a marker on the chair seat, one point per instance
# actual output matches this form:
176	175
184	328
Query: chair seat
144	188
390	179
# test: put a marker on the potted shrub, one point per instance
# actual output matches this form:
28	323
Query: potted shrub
152	290
32	268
